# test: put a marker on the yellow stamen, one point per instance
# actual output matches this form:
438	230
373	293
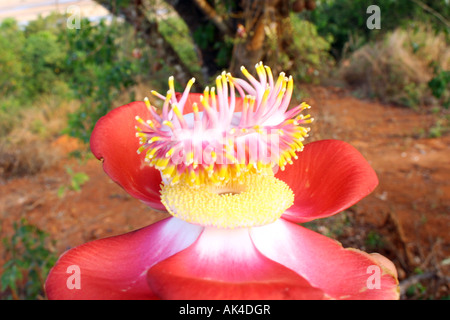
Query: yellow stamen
169	124
254	200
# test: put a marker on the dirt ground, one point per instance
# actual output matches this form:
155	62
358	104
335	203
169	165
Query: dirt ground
406	218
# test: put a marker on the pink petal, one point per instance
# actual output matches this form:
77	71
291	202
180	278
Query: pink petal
340	273
115	267
114	141
195	97
328	177
191	99
224	264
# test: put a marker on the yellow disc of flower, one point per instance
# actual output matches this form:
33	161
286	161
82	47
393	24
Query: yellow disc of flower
254	200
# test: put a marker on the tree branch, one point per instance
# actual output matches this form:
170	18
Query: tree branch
213	16
432	11
196	19
134	13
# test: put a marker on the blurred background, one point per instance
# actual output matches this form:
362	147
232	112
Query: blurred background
377	74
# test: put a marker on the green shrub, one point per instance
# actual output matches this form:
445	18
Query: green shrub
176	32
345	20
440	87
43	63
399	68
48	62
311	49
100	70
29	259
11	42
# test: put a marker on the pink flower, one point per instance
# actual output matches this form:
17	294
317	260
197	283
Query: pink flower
234	230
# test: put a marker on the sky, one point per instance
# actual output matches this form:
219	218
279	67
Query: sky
27	10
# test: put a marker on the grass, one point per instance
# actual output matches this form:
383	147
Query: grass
26	149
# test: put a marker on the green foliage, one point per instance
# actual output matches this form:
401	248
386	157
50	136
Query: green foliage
99	73
303	42
374	240
176	33
311	49
29	259
32	66
346	20
333	227
11	42
440	127
32	61
77	180
11	75
205	37
42	60
46	60
440	87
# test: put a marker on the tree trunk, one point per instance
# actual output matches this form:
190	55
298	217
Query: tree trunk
134	13
261	36
197	14
259	30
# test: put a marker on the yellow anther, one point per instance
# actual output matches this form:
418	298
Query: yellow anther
147	102
150	153
189	159
177	112
139	119
170	153
245	72
265	96
167	172
157	94
213	98
206	93
169	124
280	80
290	85
219	83
162	163
154	139
140	149
204	101
150	124
190	83
171	84
195	110
269	71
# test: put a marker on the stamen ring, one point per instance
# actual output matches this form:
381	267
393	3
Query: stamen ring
255	200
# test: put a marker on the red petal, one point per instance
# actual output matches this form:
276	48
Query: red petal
328	177
114	141
115	267
224	264
340	273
